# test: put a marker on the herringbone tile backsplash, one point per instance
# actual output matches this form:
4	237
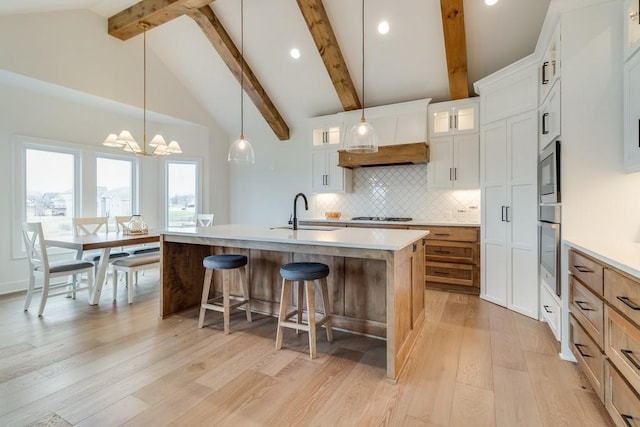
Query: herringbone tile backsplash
399	191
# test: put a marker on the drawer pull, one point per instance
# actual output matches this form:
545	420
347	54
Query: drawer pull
629	355
629	303
578	347
438	251
546	308
582	304
441	273
582	269
441	234
626	419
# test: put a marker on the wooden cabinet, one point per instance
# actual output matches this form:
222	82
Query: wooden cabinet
622	403
454	117
550	119
588	355
326	175
452	256
454	162
509	188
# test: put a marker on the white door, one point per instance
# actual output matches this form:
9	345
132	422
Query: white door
440	166
318	170
335	174
466	156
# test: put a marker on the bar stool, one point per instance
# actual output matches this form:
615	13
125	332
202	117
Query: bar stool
305	273
225	263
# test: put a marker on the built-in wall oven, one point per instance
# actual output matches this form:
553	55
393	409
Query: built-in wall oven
549	247
549	173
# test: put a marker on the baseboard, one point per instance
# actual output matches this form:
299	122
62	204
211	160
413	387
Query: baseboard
11	287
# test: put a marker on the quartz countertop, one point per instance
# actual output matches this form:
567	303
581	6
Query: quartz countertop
412	222
363	238
624	256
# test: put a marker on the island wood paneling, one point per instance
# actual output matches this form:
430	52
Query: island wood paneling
335	280
365	295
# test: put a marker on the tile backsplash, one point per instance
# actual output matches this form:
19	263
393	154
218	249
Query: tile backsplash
399	191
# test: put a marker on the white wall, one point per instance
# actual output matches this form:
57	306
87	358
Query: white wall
598	199
64	79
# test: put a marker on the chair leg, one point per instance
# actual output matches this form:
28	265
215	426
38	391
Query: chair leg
208	275
284	300
45	295
32	285
115	284
311	315
326	305
226	299
300	303
130	275
244	279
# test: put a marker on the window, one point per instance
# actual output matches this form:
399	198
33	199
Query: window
182	193
114	187
49	189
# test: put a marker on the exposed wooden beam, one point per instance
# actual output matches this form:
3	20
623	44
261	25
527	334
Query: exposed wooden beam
456	47
322	33
219	38
125	24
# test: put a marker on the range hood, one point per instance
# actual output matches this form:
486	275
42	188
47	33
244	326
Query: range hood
387	155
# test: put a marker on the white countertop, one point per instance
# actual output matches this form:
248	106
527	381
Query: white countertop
412	222
362	238
624	256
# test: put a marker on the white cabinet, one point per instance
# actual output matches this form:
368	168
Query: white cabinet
631	22
454	117
454	162
549	69
631	111
508	159
327	131
551	310
549	122
327	134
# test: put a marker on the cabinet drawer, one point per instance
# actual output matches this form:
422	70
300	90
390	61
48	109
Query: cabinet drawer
462	252
453	274
587	270
551	311
622	403
623	346
588	309
623	293
460	234
589	357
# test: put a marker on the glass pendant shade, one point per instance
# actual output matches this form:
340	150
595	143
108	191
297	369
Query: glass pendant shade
362	138
241	151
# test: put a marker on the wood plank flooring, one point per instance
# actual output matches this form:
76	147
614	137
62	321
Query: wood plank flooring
475	364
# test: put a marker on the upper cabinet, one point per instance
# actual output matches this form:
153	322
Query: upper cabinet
550	65
454	117
550	120
631	23
327	131
327	136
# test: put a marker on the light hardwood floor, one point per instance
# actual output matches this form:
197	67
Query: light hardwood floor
475	364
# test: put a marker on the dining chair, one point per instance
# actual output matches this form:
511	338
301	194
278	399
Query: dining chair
204	220
147	248
41	268
87	226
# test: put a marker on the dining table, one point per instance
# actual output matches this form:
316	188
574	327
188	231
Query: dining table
103	242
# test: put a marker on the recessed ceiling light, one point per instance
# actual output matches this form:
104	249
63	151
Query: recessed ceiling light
383	27
295	53
490	2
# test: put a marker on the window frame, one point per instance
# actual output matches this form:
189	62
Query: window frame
135	179
165	180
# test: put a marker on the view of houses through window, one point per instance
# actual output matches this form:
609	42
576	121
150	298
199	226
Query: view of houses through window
114	180
182	190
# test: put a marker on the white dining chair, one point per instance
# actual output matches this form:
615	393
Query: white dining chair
86	226
40	268
204	220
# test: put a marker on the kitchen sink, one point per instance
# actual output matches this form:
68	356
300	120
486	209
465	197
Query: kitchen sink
314	228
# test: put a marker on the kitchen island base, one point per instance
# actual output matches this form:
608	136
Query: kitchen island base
376	292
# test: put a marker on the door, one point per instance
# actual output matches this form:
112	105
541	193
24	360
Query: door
318	170
440	166
466	156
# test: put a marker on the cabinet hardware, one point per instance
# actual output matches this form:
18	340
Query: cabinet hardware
580	350
415	247
438	251
626	419
546	308
442	234
503	213
455	174
455	122
507	208
441	273
424	241
545	80
626	301
583	306
545	116
450	174
450	122
582	269
629	355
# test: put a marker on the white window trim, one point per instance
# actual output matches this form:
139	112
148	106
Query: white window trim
135	178
165	180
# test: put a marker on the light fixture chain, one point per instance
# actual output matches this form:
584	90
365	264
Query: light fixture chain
363	103
241	69
144	89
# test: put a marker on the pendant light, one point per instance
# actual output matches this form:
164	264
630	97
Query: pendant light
124	140
241	150
362	137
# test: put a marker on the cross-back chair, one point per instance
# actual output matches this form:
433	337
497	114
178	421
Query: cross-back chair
204	220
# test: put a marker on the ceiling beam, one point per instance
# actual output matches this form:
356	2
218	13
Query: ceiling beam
126	24
219	38
456	47
320	28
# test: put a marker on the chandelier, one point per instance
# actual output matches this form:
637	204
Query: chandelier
124	140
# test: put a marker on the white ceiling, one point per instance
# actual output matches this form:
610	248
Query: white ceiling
406	64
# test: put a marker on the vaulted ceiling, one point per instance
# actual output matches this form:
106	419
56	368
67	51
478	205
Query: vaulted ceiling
198	43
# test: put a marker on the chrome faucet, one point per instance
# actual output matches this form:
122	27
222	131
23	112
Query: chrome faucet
295	213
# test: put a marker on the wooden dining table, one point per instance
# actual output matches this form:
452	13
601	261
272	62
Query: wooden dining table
104	242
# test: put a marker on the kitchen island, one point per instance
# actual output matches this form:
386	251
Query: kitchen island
376	284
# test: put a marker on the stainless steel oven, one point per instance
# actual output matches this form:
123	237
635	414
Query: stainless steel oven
549	247
549	173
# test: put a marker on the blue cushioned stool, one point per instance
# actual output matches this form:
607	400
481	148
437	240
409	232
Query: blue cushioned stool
306	274
226	263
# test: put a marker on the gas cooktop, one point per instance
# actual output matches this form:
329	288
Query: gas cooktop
381	218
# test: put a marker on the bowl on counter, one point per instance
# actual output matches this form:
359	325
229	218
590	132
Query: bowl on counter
332	215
